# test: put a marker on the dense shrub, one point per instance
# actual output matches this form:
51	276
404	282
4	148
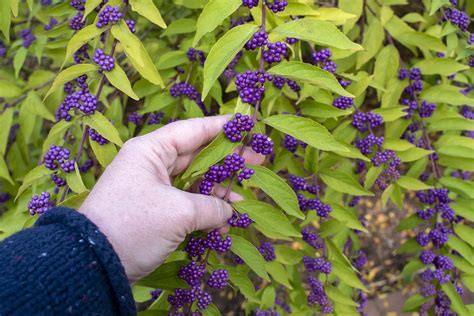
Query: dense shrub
363	98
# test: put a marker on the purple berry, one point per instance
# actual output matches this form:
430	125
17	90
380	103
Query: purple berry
40	204
109	15
106	62
218	279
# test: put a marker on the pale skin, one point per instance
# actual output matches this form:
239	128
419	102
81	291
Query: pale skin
135	205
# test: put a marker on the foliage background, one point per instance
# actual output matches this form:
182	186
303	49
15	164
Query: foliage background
371	40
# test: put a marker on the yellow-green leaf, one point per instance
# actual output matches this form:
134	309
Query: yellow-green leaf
119	80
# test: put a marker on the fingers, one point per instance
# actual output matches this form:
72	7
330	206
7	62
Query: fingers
209	212
189	135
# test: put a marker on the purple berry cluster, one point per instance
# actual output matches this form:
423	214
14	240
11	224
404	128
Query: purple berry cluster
268	251
79	5
131	25
56	157
51	23
250	3
275	52
365	121
77	23
81	54
234	128
322	210
250	85
233	163
96	137
239	220
3	49
291	143
106	62
258	39
135	118
366	144
279	82
40	204
458	18
310	237
277	5
109	15
322	58
155	118
194	54
81	100
4	197
194	272
262	144
299	184
189	91
317	296
28	37
343	103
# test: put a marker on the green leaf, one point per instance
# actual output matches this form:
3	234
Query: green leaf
413	302
422	40
210	155
456	151
103	126
19	60
6	119
9	90
464	232
372	175
34	104
316	109
337	296
311	74
461	247
413	154
55	134
137	53
213	14
319	32
165	276
249	253
4	172
463	187
268	297
5	19
266	215
69	74
440	66
346	216
392	113
119	80
410	222
397	144
80	38
452	124
104	153
211	310
278	273
342	182
446	94
413	184
372	42
287	255
90	6
74	180
411	267
222	53
148	9
468	281
306	130
410	246
436	4
181	26
243	283
32	177
386	66
463	208
277	189
387	194
347	275
171	59
457	304
75	201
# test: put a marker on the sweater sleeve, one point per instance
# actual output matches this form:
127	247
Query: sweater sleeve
62	266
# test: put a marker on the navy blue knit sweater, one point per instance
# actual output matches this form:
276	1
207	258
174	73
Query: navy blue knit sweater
62	266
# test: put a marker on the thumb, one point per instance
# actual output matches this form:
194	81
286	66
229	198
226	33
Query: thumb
209	212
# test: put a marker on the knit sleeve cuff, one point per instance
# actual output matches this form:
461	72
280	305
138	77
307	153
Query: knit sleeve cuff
102	249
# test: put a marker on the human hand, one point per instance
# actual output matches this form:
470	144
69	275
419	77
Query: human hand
134	204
